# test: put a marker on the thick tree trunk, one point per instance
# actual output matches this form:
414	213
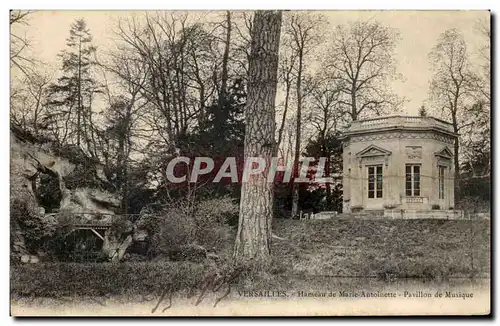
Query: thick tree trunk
256	206
354	109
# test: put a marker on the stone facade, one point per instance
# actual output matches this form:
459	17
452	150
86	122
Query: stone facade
398	162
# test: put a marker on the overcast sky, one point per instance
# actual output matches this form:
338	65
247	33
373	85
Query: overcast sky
419	32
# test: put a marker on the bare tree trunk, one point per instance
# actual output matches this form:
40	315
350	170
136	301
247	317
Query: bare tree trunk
225	58
295	186
456	150
256	206
79	109
287	100
325	153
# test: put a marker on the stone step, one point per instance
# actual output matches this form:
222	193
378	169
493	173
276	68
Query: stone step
362	214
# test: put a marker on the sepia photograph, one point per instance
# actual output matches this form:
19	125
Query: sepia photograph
250	163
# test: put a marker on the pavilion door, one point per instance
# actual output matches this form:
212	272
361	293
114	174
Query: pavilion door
374	189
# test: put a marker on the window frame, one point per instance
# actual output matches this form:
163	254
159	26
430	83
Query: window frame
441	181
375	181
413	180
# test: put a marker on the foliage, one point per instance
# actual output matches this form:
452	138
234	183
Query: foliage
223	130
328	196
74	92
178	224
35	228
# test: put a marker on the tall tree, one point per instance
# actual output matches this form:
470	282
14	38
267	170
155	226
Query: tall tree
302	35
362	59
452	85
182	62
115	146
477	154
256	206
74	92
325	116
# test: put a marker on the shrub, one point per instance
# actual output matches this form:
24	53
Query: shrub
474	204
35	228
179	224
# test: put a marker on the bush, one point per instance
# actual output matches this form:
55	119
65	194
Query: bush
183	223
474	204
35	228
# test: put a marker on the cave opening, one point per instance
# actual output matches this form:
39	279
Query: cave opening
47	191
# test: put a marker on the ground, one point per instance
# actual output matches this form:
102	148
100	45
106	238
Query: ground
382	250
385	248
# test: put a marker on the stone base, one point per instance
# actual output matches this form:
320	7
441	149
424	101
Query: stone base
424	214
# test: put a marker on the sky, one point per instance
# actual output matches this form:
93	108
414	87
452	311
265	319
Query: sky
419	31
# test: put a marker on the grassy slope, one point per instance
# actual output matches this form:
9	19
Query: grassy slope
384	248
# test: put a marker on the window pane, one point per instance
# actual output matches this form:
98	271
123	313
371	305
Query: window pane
416	192
379	193
408	185
374	181
416	169
408	169
441	182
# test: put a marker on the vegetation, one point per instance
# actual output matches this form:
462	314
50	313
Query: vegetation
233	84
385	249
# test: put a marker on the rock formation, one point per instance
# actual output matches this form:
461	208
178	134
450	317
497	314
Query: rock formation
39	187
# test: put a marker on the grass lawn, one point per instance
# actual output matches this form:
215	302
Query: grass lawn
384	248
